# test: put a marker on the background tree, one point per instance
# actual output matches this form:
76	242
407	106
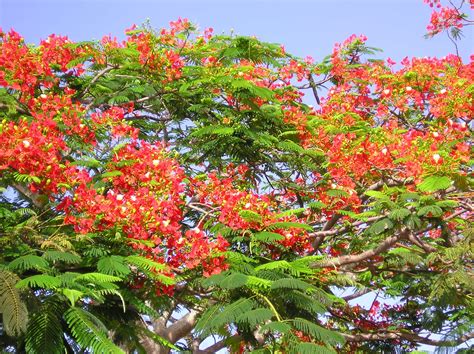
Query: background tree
175	187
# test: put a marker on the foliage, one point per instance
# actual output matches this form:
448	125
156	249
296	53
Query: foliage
176	187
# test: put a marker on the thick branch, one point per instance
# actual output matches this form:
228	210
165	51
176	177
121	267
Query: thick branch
97	77
182	327
343	260
37	199
411	337
218	345
18	108
346	228
319	238
356	294
425	246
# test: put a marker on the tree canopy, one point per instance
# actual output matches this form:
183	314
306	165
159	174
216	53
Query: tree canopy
175	191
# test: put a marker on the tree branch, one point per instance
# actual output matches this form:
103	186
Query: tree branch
37	199
344	260
218	345
346	228
182	327
411	337
97	77
314	88
319	238
18	108
357	294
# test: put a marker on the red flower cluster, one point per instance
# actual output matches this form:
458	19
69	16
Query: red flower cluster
27	71
244	210
446	18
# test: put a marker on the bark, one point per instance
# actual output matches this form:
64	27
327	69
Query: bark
411	337
178	330
356	258
36	199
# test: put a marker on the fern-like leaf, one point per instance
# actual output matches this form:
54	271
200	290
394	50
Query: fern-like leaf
40	281
89	332
253	317
113	265
291	283
267	236
311	348
45	333
98	278
280	327
216	316
59	256
317	332
288	225
27	262
145	263
305	302
13	309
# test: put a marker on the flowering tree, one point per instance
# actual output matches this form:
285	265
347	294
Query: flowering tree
175	186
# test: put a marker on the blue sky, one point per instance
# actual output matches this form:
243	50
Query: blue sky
305	27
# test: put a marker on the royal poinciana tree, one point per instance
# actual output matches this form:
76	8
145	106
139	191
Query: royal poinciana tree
175	192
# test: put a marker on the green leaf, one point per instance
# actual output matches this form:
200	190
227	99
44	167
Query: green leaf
413	222
59	256
27	262
318	332
289	145
90	162
290	212
283	265
232	281
289	225
72	295
337	193
253	317
317	205
213	130
262	92
311	348
409	196
158	339
280	327
267	236
399	214
12	308
258	283
376	194
113	265
98	278
111	174
23	178
217	316
407	256
250	216
312	303
447	204
431	211
44	281
434	183
145	263
45	332
380	226
89	332
291	283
